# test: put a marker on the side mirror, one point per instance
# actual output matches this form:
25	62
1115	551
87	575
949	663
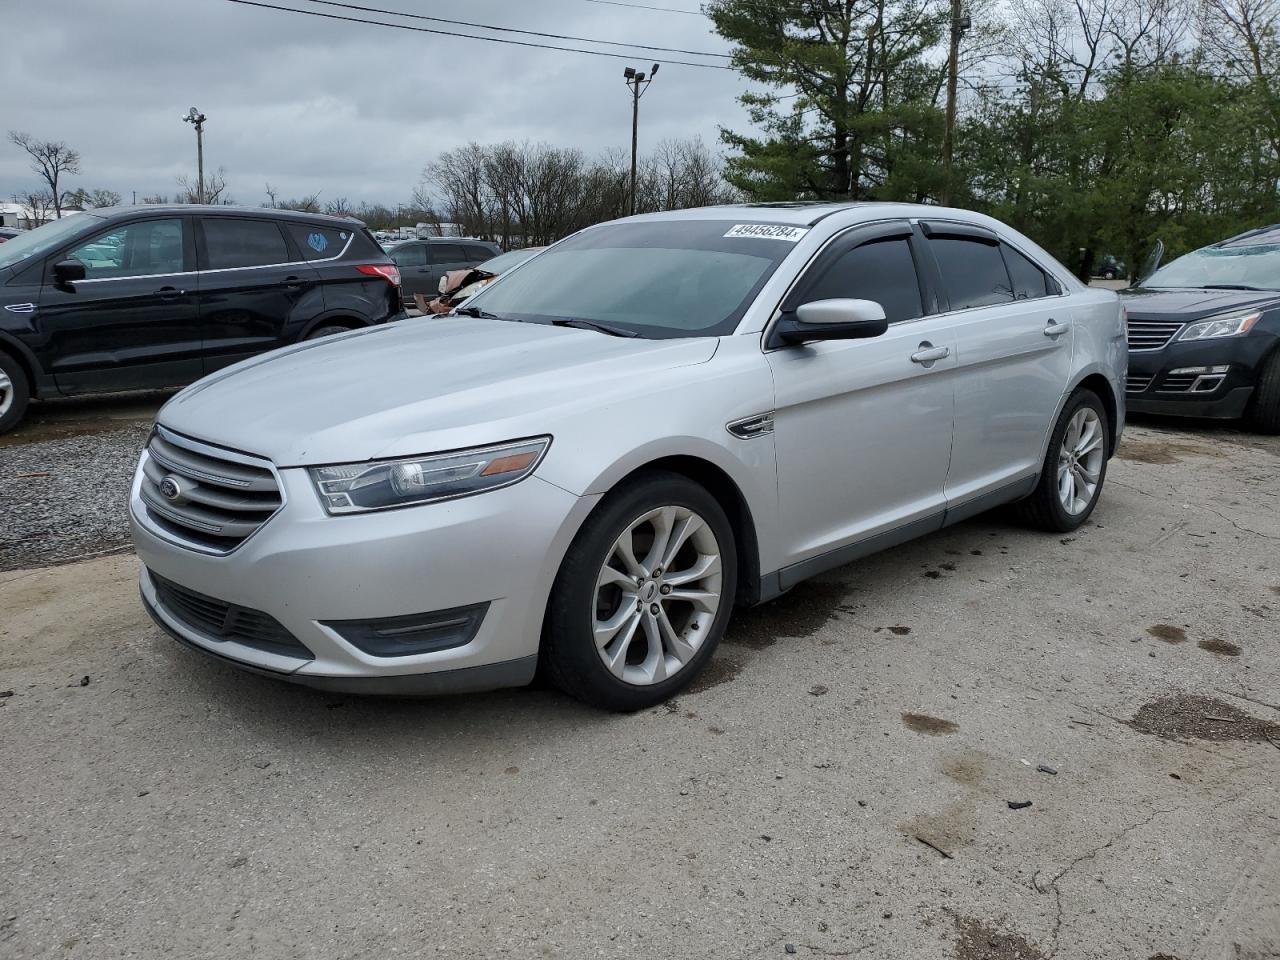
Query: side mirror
842	319
67	272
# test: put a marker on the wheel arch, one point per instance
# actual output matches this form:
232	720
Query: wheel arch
25	359
338	318
1092	378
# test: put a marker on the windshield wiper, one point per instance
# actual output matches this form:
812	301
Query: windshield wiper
1228	286
592	325
477	313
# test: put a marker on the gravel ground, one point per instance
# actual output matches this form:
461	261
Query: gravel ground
67	499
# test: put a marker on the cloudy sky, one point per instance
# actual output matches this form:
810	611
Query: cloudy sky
347	109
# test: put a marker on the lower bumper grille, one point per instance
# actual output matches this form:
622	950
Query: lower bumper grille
222	621
1136	383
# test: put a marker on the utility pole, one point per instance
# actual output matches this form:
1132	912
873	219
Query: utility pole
196	119
638	85
959	24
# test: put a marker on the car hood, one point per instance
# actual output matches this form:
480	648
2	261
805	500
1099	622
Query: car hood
1146	303
418	386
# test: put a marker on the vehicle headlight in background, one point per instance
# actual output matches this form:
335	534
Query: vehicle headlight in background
383	484
1230	326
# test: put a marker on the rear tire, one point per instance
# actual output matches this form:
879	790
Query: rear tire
1074	468
1263	414
15	392
619	634
327	330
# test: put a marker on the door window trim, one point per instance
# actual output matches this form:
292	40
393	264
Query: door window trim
188	249
279	225
958	229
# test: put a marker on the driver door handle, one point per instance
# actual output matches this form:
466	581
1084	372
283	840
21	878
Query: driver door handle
1056	329
928	353
170	293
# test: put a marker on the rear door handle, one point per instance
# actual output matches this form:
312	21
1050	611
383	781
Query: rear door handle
293	283
928	354
1056	329
170	293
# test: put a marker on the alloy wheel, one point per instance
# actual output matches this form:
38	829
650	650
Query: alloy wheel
1080	461
6	393
656	595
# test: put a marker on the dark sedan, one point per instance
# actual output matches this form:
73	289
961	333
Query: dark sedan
1204	334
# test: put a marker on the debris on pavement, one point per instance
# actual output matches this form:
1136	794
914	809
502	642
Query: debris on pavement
1018	804
1045	768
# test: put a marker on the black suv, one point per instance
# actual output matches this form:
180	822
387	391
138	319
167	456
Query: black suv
135	298
1204	333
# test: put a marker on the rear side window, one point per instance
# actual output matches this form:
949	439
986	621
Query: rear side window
410	255
317	242
446	253
973	272
477	253
880	270
230	243
1029	281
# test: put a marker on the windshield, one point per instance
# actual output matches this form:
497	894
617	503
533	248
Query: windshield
43	239
661	278
1252	266
505	261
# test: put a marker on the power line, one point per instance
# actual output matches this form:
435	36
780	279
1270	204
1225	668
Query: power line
452	33
531	33
645	6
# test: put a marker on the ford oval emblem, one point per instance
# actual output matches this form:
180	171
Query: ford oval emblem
171	488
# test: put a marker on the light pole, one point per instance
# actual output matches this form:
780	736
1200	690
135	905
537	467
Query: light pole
638	84
196	119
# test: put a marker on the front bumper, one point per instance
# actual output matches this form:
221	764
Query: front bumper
1155	387
306	569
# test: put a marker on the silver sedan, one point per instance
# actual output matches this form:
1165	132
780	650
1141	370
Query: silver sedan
613	446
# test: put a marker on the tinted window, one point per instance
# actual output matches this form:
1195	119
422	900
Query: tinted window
881	270
446	253
317	242
242	243
134	250
1029	281
973	272
477	253
410	255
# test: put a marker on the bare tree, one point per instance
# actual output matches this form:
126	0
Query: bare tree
50	159
82	199
271	197
38	205
215	186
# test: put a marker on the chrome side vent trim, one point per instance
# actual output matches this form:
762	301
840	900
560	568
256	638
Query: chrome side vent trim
750	427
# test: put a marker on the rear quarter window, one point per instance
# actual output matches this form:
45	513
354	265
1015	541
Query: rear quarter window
973	272
318	242
1029	281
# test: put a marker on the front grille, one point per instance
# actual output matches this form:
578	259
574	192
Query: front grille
1136	383
220	620
210	498
1151	334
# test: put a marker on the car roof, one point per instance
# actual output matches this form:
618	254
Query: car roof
807	213
229	211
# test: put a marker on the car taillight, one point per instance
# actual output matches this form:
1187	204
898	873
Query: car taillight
387	271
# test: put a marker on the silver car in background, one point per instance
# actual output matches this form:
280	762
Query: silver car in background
655	421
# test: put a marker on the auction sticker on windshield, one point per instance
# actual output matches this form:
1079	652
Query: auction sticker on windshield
767	231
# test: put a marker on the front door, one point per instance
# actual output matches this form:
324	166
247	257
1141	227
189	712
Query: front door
862	428
132	323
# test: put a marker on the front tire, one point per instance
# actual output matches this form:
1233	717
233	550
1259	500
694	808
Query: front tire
1074	469
643	596
1263	414
15	392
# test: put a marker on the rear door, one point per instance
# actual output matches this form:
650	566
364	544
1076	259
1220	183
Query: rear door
1013	334
132	323
446	257
256	293
862	428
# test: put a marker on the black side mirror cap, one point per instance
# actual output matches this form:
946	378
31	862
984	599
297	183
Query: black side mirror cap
68	271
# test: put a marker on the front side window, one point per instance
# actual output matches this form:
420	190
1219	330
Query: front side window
879	270
657	279
410	255
973	272
133	250
231	243
1029	281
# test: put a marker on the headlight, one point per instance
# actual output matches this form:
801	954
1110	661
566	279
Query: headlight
383	484
1221	327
